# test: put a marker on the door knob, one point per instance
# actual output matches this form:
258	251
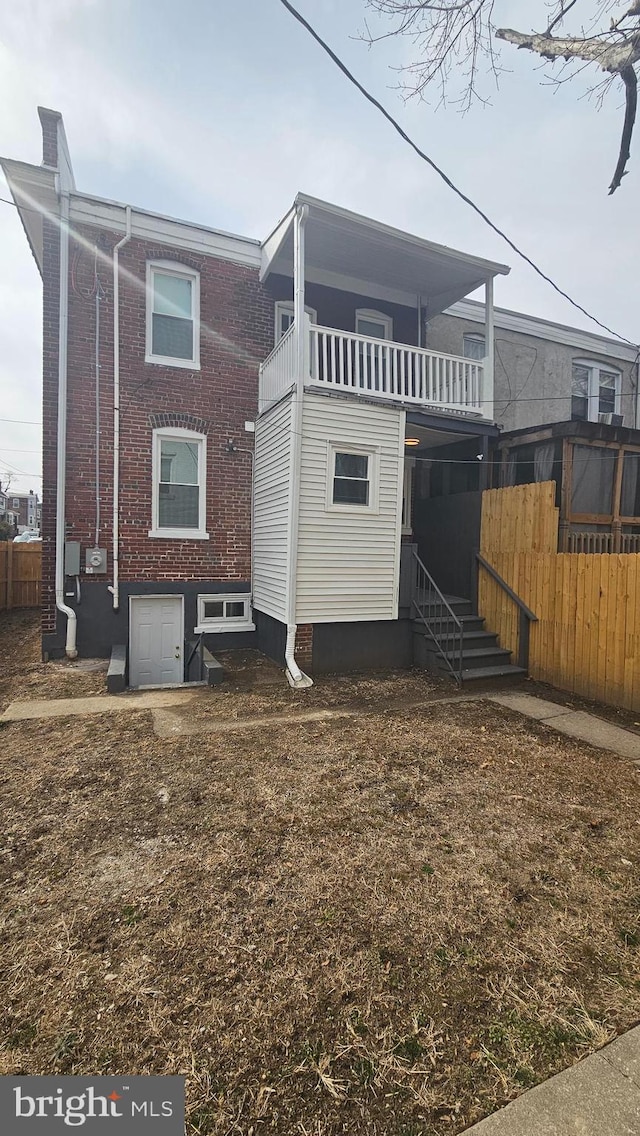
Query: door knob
177	654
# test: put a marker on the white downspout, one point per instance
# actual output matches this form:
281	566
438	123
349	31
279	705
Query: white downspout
61	473
296	677
115	590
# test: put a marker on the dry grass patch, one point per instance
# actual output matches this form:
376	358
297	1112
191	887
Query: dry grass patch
390	924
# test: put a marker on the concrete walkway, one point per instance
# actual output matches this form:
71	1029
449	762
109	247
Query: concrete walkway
575	723
171	716
599	1096
96	704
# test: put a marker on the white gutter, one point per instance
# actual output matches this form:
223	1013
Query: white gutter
115	589
61	463
296	677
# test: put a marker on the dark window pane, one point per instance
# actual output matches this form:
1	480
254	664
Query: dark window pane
630	503
350	492
179	507
351	465
179	462
593	470
213	609
172	337
579	408
235	609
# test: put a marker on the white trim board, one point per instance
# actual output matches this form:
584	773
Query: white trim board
588	341
98	211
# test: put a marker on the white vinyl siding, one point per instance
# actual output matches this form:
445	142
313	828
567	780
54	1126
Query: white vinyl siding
271	511
348	562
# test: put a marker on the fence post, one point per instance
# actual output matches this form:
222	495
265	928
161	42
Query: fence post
9	575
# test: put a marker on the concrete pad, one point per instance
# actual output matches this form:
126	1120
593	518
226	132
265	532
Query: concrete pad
96	704
624	1055
588	1099
574	723
171	723
528	704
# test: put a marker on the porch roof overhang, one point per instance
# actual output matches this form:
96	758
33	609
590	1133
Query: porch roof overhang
34	191
355	254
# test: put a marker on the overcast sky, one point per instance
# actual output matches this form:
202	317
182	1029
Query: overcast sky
219	111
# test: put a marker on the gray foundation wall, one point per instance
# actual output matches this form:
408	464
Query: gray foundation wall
100	627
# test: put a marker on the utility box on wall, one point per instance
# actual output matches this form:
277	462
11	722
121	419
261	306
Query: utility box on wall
96	561
72	558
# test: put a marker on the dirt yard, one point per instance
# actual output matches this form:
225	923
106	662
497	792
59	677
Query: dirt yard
386	925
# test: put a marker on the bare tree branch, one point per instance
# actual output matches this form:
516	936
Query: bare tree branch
630	81
455	48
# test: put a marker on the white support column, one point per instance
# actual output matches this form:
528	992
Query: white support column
489	359
298	291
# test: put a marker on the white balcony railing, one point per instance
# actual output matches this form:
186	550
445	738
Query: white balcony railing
278	371
359	365
395	371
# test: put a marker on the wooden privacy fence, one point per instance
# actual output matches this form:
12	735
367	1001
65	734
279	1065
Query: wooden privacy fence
587	636
20	575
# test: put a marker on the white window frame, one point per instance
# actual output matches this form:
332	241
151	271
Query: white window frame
181	435
474	337
170	268
16	504
228	622
285	307
373	470
375	317
593	396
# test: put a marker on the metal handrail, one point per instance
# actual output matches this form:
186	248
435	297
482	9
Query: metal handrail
527	617
448	643
199	644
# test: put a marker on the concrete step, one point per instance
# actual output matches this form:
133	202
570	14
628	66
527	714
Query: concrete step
492	677
469	622
480	657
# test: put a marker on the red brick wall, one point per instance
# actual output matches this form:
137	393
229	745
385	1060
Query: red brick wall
304	645
236	334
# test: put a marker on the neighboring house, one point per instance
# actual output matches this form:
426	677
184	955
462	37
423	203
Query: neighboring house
310	344
545	372
23	510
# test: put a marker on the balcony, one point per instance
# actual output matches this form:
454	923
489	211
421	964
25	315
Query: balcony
375	369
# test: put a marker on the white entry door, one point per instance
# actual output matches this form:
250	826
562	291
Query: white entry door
156	640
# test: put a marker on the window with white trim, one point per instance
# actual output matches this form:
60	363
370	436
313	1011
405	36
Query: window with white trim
473	346
353	478
595	391
173	315
179	484
376	325
284	317
225	612
16	502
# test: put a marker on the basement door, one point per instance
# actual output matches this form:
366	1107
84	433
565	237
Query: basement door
156	638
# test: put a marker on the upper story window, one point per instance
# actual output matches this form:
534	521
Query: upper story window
16	502
473	346
179	484
173	315
595	391
376	325
285	314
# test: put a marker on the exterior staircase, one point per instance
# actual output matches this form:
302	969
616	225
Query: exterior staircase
450	638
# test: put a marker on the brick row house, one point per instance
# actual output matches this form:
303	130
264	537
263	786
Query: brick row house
250	443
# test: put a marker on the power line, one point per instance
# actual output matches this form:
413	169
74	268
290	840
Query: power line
447	180
21	421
